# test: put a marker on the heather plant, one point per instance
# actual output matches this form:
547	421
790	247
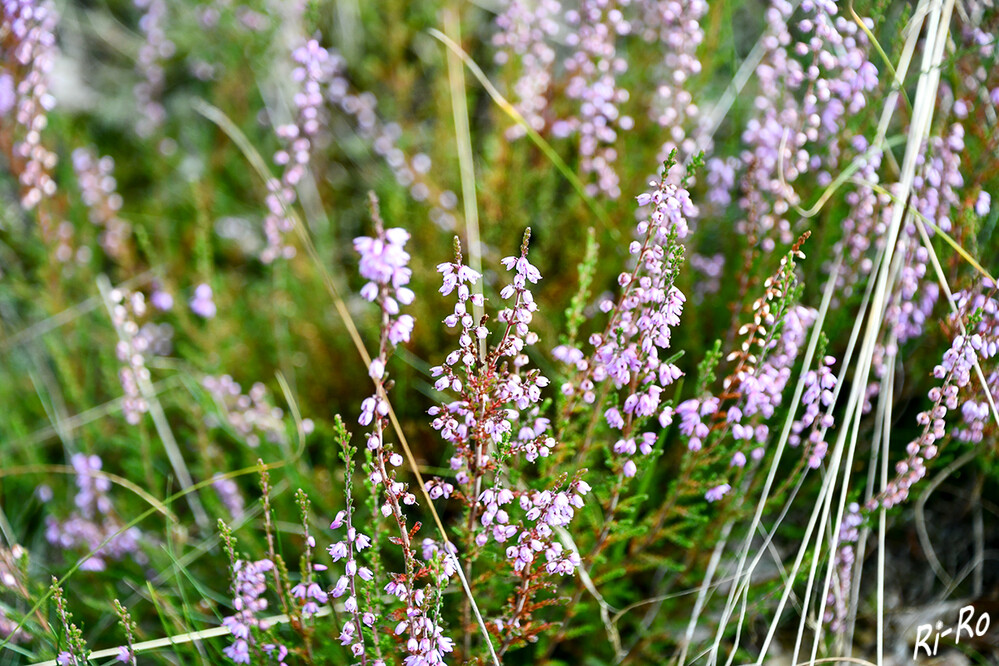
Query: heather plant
534	331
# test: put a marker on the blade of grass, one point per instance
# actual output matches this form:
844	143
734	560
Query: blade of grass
40	328
463	138
713	119
926	95
77	421
772	473
181	639
515	115
159	506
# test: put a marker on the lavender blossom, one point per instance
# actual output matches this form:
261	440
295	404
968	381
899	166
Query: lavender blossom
202	303
248	588
127	309
629	351
593	68
838	601
156	47
524	36
98	189
94	521
30	25
251	415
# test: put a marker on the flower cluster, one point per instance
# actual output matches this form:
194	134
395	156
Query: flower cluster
677	28
251	415
427	643
818	396
232	499
547	510
156	48
31	26
754	389
593	69
126	309
494	422
202	303
524	32
314	67
355	542
837	602
864	224
494	394
98	189
348	549
765	358
322	80
934	197
628	352
385	264
248	588
762	384
94	520
955	372
806	93
308	592
976	410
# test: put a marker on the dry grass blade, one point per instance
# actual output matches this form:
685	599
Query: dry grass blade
466	163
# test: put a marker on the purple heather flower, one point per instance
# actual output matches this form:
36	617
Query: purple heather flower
954	370
248	587
94	520
7	96
675	29
161	299
312	596
29	29
717	492
593	68
202	303
526	31
149	64
802	106
639	332
315	67
817	397
251	415
228	492
838	600
983	204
